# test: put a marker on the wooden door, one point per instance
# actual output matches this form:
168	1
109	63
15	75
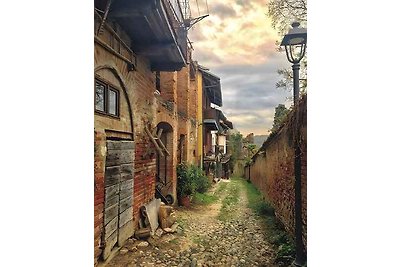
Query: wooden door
118	210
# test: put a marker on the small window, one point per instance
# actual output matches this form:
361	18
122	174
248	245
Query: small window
107	99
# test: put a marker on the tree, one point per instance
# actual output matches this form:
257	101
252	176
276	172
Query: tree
286	81
235	148
282	14
280	115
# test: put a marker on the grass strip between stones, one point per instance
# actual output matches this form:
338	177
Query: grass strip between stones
229	203
276	233
204	198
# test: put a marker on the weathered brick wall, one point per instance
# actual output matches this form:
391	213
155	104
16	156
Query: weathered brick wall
192	141
193	123
99	167
183	91
139	86
144	108
168	84
273	172
192	99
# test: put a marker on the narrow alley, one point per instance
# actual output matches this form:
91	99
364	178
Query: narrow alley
220	231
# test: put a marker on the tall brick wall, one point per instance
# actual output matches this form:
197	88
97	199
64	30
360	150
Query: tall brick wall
168	84
273	172
183	91
144	109
193	123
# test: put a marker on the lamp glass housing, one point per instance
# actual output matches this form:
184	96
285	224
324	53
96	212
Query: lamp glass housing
295	42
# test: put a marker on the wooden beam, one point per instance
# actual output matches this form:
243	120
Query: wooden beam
160	133
154	141
164	66
155	48
154	132
103	19
163	147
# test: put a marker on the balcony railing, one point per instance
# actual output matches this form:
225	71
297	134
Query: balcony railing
156	30
210	114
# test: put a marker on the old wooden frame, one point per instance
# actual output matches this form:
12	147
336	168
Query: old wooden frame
156	140
153	140
108	87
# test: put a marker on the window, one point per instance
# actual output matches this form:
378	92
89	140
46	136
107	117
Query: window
100	99
107	99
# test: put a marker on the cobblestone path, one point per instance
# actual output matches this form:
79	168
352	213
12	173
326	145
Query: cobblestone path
225	233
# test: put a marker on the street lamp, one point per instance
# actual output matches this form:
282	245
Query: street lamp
295	42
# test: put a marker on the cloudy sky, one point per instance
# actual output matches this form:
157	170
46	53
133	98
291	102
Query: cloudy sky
237	43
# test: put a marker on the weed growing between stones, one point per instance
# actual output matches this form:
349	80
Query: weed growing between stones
228	209
204	198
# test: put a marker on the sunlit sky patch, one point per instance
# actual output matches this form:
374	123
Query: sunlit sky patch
237	43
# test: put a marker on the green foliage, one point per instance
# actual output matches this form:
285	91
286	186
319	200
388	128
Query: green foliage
204	199
235	147
185	187
286	81
280	115
229	203
191	179
202	183
282	13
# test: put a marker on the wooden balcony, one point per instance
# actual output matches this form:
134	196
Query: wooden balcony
155	31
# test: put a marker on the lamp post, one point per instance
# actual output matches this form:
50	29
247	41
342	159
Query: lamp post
295	42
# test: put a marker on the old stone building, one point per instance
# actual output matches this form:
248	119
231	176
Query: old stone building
148	112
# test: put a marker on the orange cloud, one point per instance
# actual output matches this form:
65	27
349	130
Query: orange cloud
236	31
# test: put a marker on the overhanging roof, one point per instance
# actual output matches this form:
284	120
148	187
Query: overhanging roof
212	85
224	122
213	124
154	31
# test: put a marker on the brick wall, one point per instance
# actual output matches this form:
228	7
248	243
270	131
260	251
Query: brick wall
168	84
183	91
99	167
273	172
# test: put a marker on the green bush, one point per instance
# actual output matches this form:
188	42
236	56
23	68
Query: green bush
191	179
200	179
185	187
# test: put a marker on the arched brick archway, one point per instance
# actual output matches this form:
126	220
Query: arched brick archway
124	88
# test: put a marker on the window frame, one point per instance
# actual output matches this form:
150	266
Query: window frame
107	87
104	96
158	81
